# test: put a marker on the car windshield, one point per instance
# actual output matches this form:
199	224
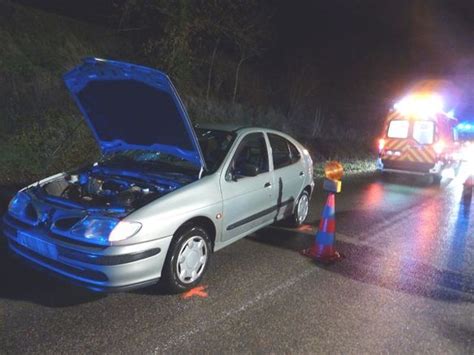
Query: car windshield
145	160
214	146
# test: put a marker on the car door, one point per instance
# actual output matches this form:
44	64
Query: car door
289	174
247	199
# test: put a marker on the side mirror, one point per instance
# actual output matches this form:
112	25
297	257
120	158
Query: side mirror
246	170
249	170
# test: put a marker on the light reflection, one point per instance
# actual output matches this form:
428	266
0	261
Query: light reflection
427	229
373	195
421	247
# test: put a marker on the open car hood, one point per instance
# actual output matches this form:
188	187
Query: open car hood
129	106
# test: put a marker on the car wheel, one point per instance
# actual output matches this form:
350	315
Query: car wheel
187	260
301	210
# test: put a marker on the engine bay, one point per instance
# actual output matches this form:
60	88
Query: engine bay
98	189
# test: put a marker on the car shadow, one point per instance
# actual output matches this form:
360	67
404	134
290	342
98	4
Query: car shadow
375	267
413	180
21	282
407	179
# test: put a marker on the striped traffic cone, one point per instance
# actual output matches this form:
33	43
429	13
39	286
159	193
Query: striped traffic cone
323	247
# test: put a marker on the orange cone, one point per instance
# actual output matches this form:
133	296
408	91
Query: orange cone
323	247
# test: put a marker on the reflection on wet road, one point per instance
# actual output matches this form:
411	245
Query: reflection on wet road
406	285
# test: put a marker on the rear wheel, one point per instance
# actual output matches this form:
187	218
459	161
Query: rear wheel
187	260
301	210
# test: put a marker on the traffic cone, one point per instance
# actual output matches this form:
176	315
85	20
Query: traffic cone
323	247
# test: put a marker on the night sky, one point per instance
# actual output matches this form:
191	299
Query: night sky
383	47
388	45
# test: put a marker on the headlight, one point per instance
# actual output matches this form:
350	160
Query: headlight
104	230
97	230
18	204
124	230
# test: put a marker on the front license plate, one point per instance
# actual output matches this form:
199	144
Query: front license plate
37	245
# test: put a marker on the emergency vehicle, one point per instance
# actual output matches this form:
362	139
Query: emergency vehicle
419	138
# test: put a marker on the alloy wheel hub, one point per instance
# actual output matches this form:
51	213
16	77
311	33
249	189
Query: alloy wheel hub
192	259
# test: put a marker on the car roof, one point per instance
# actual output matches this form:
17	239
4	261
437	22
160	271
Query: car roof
230	127
234	127
241	129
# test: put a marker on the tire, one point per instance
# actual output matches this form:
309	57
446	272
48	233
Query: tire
189	246
301	211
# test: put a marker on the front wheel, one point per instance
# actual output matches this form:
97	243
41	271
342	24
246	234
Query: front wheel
187	260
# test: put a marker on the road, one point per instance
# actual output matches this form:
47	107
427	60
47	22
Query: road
406	285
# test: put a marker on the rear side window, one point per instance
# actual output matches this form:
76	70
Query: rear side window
294	153
423	132
398	129
284	153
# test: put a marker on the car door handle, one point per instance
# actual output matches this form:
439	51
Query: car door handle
301	173
267	185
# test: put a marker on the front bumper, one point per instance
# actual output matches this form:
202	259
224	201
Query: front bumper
98	268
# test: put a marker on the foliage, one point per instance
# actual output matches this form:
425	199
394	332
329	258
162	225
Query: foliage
36	112
210	49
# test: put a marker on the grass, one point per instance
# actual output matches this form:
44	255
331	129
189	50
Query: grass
351	166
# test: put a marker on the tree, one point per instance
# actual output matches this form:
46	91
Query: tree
247	27
181	32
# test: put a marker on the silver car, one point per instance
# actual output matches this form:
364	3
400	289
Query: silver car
164	194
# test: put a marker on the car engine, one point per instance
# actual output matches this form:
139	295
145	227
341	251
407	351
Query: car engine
103	190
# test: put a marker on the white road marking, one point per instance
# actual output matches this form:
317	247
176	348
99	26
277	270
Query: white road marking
242	308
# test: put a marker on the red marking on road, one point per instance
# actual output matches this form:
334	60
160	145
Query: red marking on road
305	228
199	291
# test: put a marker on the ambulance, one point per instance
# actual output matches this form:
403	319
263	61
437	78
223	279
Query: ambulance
419	138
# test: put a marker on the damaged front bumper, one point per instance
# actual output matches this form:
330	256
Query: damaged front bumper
98	268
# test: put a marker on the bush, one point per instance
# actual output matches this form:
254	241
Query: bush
56	143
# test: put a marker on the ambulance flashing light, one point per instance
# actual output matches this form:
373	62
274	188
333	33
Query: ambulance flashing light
465	127
422	106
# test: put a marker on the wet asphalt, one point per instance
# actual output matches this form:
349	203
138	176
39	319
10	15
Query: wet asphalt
406	285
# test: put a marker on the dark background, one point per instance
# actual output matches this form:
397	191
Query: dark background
386	45
326	72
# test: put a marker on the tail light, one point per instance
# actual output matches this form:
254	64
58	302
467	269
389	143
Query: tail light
439	147
381	144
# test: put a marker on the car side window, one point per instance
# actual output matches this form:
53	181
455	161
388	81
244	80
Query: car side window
284	153
294	153
250	154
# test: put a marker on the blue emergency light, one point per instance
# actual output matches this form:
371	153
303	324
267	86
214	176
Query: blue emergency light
467	127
